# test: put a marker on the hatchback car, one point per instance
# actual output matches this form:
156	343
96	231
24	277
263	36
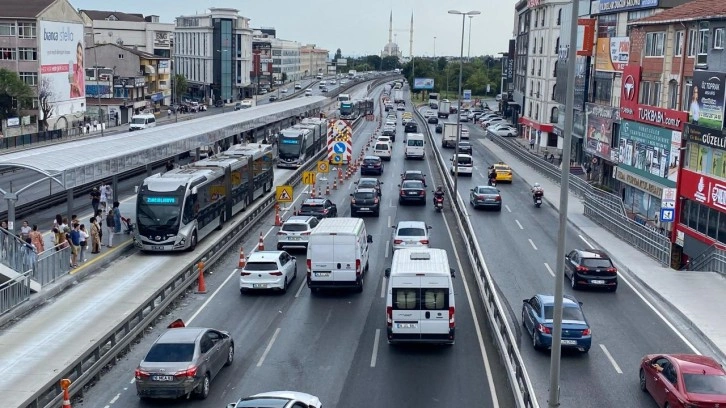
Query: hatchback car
371	165
183	361
433	120
386	139
401	107
439	128
412	191
319	208
268	270
414	175
308	92
389	131
283	90
278	399
295	231
365	200
410	127
462	164
537	315
465	147
465	133
504	172
410	234
591	267
382	150
298	86
273	98
369	182
683	380
485	197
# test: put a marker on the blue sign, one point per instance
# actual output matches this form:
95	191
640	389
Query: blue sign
339	148
667	215
616	6
467	94
160	200
337	158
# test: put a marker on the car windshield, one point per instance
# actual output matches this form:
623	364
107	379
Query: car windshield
596	263
293	227
568	313
363	195
412	184
371	161
705	384
411	232
138	121
487	190
170	353
311	207
261	266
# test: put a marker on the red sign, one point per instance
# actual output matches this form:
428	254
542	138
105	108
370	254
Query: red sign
548	127
703	189
630	109
629	91
533	3
586	26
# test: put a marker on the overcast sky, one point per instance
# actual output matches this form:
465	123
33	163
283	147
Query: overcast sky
356	27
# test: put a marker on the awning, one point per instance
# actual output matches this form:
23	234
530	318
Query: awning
149	69
544	127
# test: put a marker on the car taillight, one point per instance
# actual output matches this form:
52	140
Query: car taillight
581	269
397	241
543	329
587	332
309	265
189	372
480	196
375	201
403	193
243	273
325	211
141	375
421	192
352	200
305	233
498	198
389	316
281	233
612	270
357	267
452	321
277	273
424	241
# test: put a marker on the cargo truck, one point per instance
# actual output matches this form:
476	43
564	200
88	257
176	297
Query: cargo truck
449	135
398	96
444	109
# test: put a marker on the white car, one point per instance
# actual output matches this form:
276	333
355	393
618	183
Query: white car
495	121
429	113
268	270
465	133
410	234
295	231
281	399
464	164
298	86
309	92
391	123
386	139
283	90
382	150
503	130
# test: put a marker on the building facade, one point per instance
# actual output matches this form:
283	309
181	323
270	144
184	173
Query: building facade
313	60
144	33
285	60
213	51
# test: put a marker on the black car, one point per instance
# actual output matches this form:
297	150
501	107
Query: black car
218	103
591	267
370	182
414	175
410	127
365	200
433	120
440	128
412	190
319	208
465	147
371	165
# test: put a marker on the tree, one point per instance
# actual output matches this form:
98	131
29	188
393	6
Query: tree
390	63
180	86
441	63
338	55
15	94
374	61
45	99
284	77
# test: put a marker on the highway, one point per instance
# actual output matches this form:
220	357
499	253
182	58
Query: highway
333	345
519	245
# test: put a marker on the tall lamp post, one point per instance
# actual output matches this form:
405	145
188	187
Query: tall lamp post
95	74
468	52
463	15
434	47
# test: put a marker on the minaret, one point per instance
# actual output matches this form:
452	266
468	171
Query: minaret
390	32
410	41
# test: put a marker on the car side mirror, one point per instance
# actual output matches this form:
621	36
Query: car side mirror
369	238
399	186
472	190
387	272
453	272
580	303
351	195
428	227
381	183
525	300
567	257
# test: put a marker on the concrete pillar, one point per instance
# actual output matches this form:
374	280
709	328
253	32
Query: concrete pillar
197	153
69	202
12	199
149	170
115	188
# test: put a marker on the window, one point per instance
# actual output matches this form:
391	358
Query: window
26	30
554	114
672	94
27	54
539	68
531	88
530	110
559	16
541	44
30	78
539	88
718	38
704	41
554	71
655	94
435	299
607	25
603	85
557	45
542	22
678	43
536	112
405	298
536	18
692	42
120	56
644	93
554	89
687	85
8	54
654	44
7	29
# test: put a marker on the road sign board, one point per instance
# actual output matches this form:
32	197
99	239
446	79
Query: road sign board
337	159
667	215
467	94
309	177
339	148
323	166
283	194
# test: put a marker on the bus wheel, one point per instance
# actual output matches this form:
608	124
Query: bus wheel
193	242
222	219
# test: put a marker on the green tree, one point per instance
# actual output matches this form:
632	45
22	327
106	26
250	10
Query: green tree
284	77
441	63
374	61
15	94
180	86
338	55
390	63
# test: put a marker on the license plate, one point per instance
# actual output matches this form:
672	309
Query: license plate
539	201
158	247
597	282
569	342
489	200
293	238
163	378
406	325
259	285
365	209
412	193
322	274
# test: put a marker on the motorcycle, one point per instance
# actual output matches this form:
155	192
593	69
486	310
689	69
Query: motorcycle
439	203
493	181
537	197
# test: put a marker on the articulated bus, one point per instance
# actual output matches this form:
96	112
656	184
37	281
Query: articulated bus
299	143
176	209
342	98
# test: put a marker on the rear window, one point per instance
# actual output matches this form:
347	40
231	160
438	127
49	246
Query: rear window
170	353
261	266
294	227
367	184
371	161
415	143
412	232
363	195
705	384
487	190
464	160
568	313
596	263
405	299
412	184
382	146
311	207
434	299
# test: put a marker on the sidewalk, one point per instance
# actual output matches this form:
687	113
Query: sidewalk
694	296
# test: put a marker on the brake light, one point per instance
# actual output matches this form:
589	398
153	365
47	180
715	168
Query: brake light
587	332
480	196
452	321
498	198
375	200
189	372
581	269
325	211
309	265
277	273
352	200
421	192
243	273
389	316
403	192
141	375
543	329
305	233
280	233
424	241
612	270
397	241
357	267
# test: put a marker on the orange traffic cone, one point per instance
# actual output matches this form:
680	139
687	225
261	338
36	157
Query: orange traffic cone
278	221
327	190
320	193
202	288
261	244
340	176
65	383
242	259
335	184
176	324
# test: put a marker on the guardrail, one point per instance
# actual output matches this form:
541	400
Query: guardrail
508	346
88	366
14	292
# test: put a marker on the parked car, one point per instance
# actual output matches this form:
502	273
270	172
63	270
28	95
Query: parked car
504	130
591	267
273	98
295	231
537	319
485	197
365	200
318	207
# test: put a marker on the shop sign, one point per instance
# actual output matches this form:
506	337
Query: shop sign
630	109
617	6
599	129
629	91
706	106
650	151
638	182
706	190
705	136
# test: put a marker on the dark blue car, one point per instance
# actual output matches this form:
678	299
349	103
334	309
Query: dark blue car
537	319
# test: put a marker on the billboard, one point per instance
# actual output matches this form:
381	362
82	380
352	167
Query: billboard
423	83
613	54
599	130
617	6
706	106
341	62
650	151
62	72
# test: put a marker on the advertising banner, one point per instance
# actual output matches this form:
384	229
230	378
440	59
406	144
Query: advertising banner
613	54
650	151
703	189
706	106
423	83
62	72
705	136
617	6
598	136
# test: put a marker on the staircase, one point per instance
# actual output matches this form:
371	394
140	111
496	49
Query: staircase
577	170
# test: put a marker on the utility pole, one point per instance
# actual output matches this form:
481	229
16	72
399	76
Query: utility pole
468	53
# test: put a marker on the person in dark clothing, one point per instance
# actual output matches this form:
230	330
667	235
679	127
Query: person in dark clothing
169	165
95	199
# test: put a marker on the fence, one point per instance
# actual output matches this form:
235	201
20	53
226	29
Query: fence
606	209
14	292
713	259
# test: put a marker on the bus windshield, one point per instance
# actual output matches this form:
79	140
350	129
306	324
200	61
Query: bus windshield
289	147
343	98
158	212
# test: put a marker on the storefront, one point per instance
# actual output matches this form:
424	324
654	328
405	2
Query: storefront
543	134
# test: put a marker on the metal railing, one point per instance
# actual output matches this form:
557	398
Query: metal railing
713	260
14	292
52	265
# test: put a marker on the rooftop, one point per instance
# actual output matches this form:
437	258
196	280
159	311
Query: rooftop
695	10
113	15
23	9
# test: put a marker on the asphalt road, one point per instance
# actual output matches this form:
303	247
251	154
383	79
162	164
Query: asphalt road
333	345
520	247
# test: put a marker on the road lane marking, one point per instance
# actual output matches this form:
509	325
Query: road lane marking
588	244
549	269
299	290
507	207
532	243
114	399
389	221
206	302
268	348
612	360
390	204
374	355
519	225
383	286
388	246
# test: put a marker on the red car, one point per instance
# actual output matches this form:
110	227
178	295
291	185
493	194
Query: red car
683	380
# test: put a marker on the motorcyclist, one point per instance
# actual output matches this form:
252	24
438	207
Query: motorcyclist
492	175
439	194
537	191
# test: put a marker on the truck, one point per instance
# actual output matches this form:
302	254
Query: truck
449	135
398	96
444	109
352	74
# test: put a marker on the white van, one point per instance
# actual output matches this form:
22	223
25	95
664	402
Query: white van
143	121
337	256
420	303
382	150
465	164
414	145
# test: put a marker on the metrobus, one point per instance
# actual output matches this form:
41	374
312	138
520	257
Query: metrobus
433	100
344	97
176	209
292	147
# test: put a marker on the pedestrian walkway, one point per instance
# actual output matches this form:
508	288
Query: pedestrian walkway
695	296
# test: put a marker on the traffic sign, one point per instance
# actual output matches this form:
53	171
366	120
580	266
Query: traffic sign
309	177
337	159
339	147
667	215
283	194
323	166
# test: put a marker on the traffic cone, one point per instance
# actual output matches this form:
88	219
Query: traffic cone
261	244
278	221
340	176
320	193
327	190
294	210
242	259
65	383
202	288
312	192
335	184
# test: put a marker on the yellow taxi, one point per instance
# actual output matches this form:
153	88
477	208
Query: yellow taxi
504	172
407	115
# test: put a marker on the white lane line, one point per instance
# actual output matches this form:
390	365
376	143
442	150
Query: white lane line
389	221
269	346
532	243
206	302
588	244
374	355
549	269
388	247
383	286
390	204
133	380
299	290
507	207
612	360
519	224
114	399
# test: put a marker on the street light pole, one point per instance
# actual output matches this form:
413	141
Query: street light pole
468	53
434	47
